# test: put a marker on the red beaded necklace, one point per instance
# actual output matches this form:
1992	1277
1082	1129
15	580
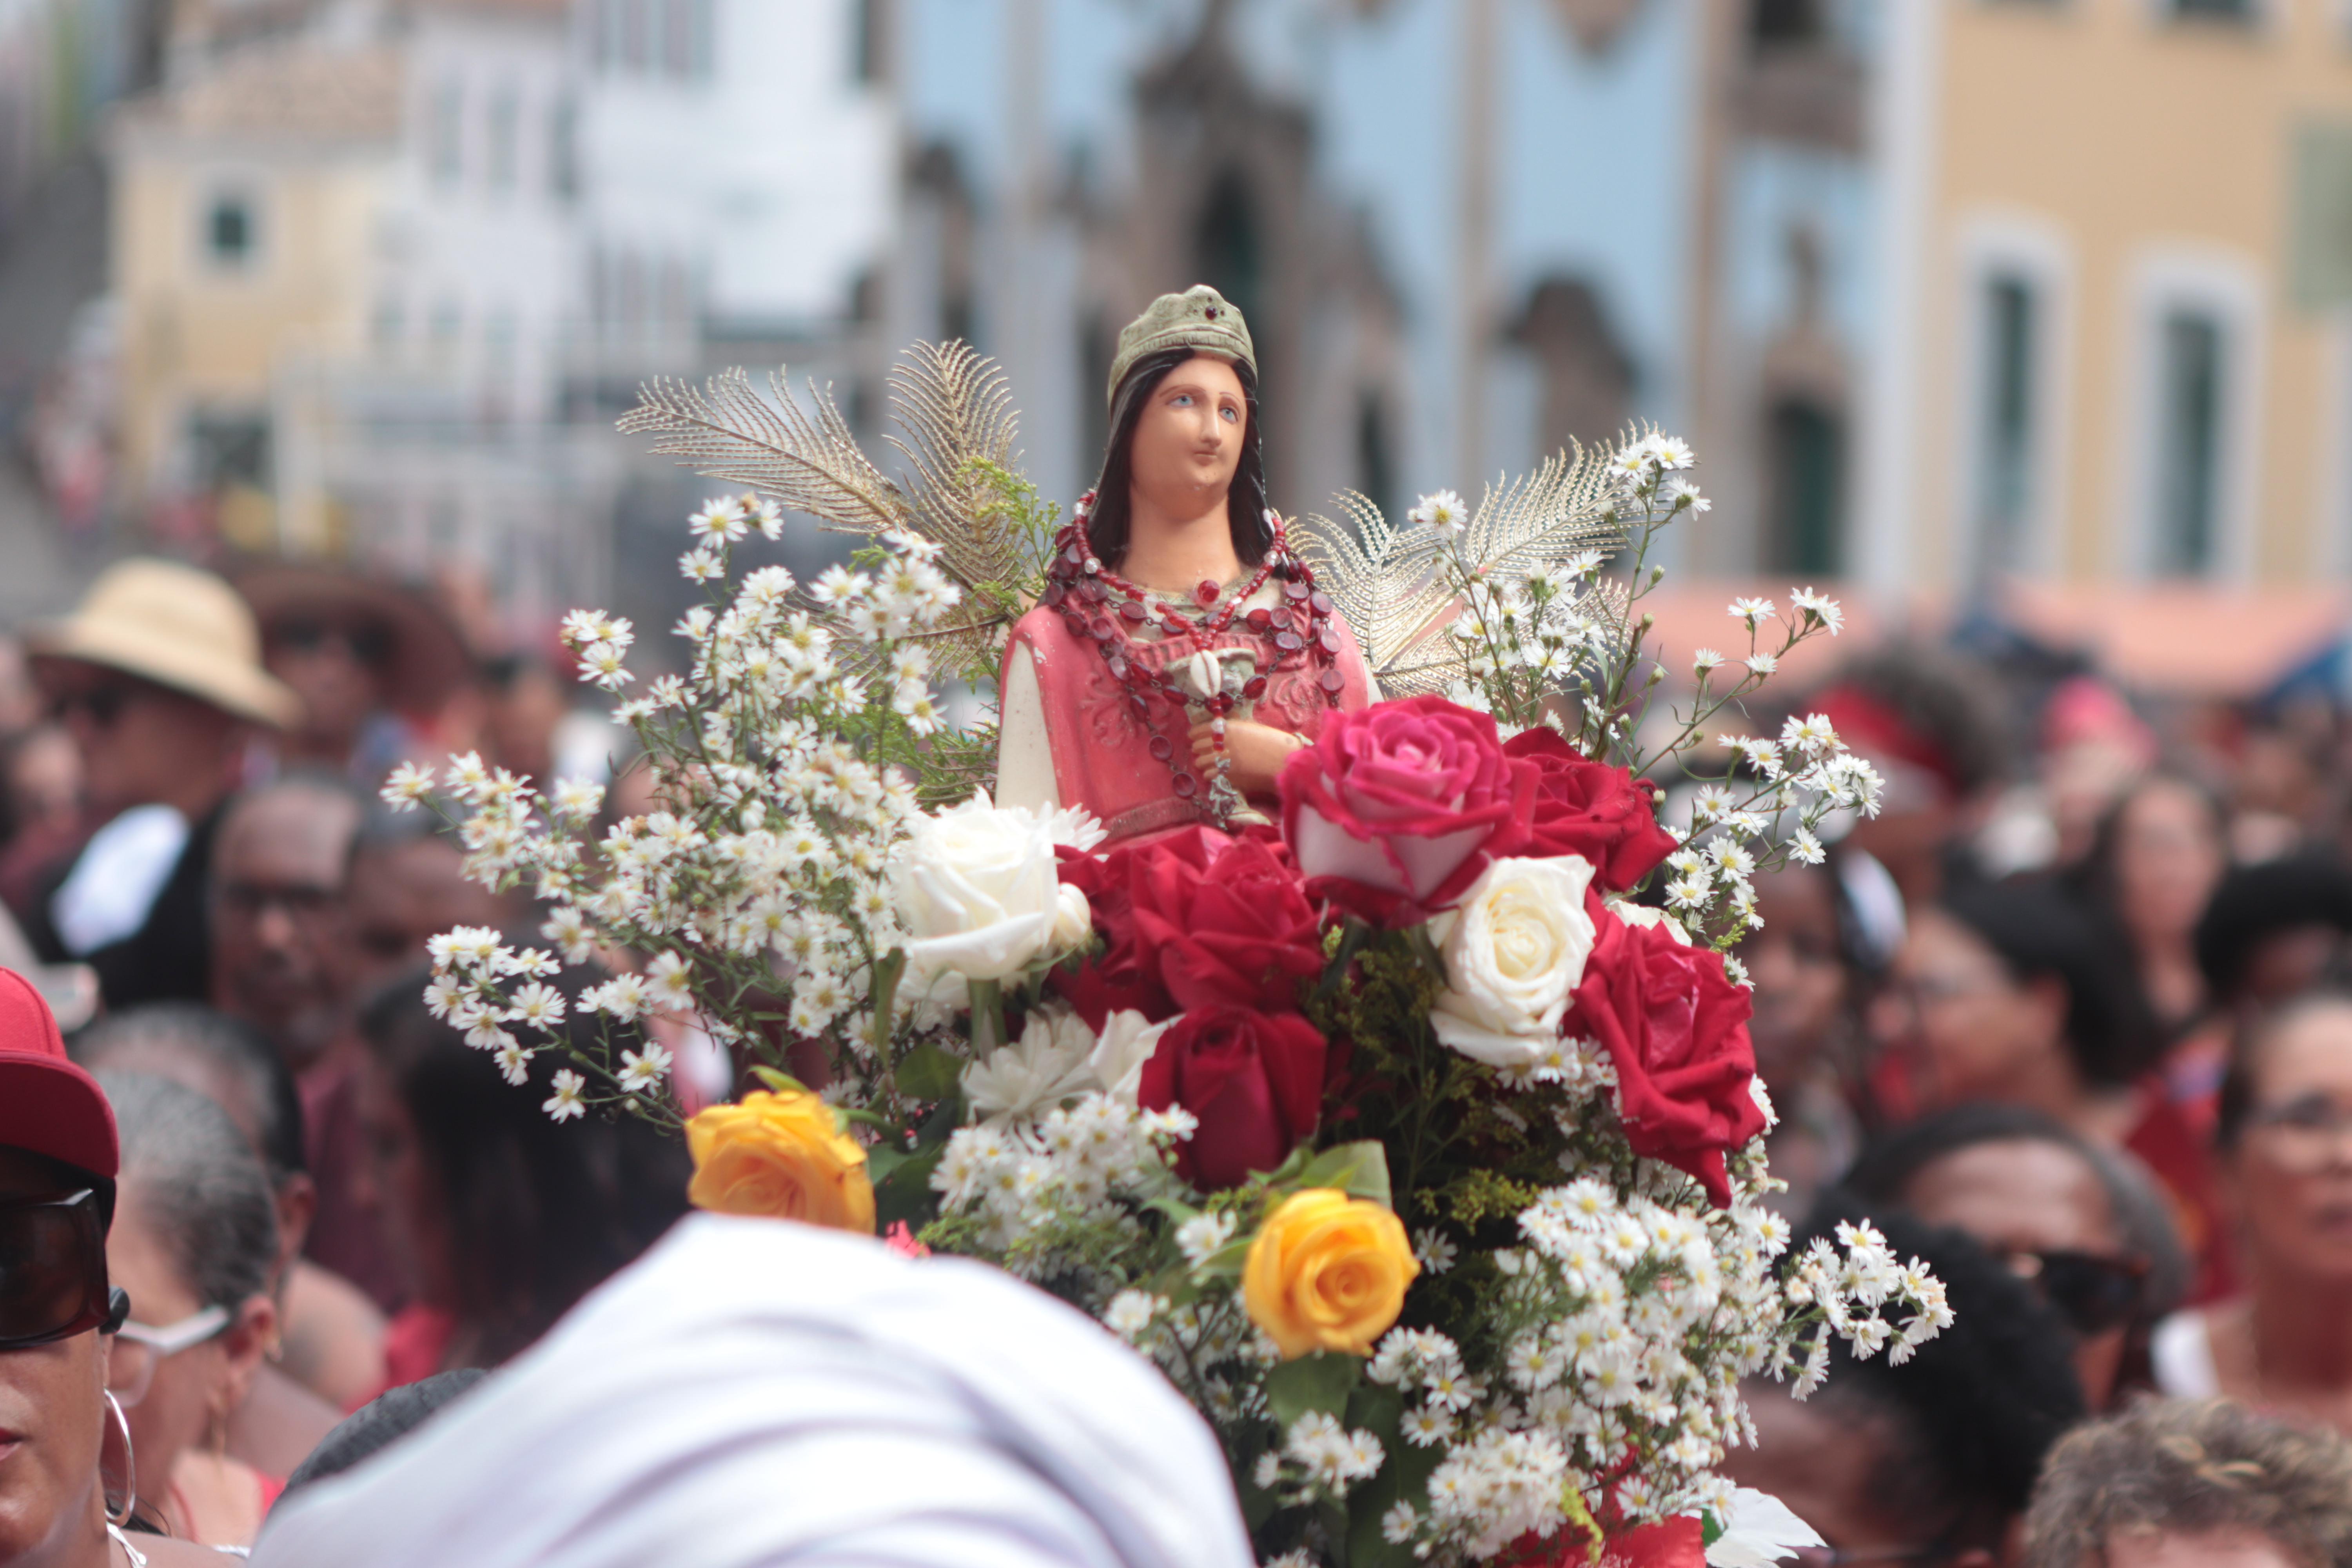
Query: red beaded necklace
1084	590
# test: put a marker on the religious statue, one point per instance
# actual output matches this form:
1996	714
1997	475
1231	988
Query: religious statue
1181	651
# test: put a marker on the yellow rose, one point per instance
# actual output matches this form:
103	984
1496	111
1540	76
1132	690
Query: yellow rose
1327	1272
781	1155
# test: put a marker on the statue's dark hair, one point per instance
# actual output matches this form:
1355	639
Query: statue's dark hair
1246	503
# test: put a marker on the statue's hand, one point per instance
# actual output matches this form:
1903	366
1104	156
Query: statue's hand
1258	752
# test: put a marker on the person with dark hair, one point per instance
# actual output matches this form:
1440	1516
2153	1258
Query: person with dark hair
194	1240
1181	651
330	1350
2155	859
1808	968
2285	1134
2006	990
1932	1461
2173	1483
2273	931
499	1217
2083	1225
1925	719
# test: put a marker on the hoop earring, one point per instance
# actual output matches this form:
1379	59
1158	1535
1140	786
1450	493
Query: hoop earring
121	1517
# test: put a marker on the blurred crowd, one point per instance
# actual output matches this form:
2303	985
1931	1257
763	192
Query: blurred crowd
2070	1018
324	1193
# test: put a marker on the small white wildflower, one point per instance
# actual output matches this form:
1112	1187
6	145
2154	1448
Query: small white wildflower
1706	661
408	785
640	1070
1755	612
1434	1251
1444	511
1203	1234
565	1102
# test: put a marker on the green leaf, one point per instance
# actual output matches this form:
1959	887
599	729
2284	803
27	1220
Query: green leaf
1318	1381
882	993
780	1082
903	1191
928	1072
1403	1476
1360	1170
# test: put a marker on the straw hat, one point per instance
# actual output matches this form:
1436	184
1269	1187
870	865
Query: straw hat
429	659
177	627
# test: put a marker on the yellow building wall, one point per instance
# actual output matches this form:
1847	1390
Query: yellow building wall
2120	129
198	335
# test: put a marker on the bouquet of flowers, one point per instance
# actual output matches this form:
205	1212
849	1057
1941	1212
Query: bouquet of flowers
1417	1140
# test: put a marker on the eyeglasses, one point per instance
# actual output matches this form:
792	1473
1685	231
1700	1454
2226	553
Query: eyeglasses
251	900
370	645
101	704
139	1349
2305	1135
2094	1294
53	1271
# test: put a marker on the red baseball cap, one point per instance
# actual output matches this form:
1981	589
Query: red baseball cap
49	1105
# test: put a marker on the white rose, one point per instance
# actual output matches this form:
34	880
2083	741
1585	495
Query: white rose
1514	951
1073	920
976	888
1128	1040
1634	914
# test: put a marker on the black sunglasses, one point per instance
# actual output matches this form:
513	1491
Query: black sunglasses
102	704
2093	1293
53	1271
364	645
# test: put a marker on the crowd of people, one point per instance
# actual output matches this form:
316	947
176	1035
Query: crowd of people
2070	1019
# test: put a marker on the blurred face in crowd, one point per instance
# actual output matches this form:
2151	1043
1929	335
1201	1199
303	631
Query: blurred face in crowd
2044	1211
43	785
52	1423
402	895
142	743
2290	1171
2168	857
280	931
174	1402
1822	1460
1970	1029
336	663
1799	979
397	1183
2285	964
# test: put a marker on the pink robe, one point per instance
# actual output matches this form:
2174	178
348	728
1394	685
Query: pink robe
1102	745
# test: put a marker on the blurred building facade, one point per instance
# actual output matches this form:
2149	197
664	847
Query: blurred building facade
1940	289
385	272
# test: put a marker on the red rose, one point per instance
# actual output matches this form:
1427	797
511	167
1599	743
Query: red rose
1254	1079
1396	808
1588	808
1122	976
1226	922
1676	1028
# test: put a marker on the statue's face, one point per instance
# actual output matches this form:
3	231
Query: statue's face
1188	439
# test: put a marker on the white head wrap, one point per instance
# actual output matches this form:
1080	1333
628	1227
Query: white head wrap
757	1391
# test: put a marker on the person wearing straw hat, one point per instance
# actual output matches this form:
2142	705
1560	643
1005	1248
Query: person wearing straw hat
370	660
157	675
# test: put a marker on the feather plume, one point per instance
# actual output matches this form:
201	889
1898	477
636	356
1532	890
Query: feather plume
1389	583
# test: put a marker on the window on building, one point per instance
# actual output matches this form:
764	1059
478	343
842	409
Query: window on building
390	323
448	323
866	64
1807	445
229	449
504	153
563	150
445	132
1228	245
2217	10
1780	23
2191	387
637	34
2006	411
231	233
